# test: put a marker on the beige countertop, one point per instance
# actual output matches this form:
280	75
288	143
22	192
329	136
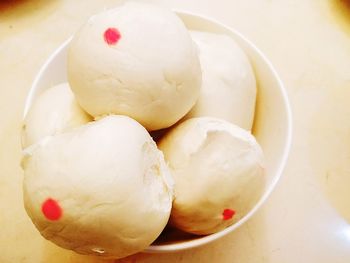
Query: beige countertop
307	218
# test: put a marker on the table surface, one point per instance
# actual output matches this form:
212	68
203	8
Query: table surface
307	217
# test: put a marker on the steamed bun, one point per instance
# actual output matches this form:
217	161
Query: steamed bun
218	173
101	189
55	110
136	60
228	86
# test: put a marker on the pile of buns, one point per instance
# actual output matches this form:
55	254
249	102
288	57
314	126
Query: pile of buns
96	182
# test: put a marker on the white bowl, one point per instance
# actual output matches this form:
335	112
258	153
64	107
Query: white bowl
272	124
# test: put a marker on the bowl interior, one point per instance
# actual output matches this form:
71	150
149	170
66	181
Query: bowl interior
272	124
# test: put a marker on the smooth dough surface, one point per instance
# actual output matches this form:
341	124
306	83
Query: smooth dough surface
228	85
218	173
54	111
136	60
110	182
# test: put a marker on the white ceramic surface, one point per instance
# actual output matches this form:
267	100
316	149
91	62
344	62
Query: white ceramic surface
272	125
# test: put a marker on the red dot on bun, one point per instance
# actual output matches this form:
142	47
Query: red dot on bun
51	209
228	214
111	36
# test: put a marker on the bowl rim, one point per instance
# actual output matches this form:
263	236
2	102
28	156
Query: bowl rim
33	89
212	237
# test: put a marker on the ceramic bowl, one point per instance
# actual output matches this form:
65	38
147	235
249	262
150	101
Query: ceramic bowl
272	124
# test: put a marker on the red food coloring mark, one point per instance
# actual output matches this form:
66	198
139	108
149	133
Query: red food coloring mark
51	209
112	36
228	214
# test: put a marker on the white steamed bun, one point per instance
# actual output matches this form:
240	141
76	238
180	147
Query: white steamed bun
136	60
101	189
54	111
228	86
218	173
